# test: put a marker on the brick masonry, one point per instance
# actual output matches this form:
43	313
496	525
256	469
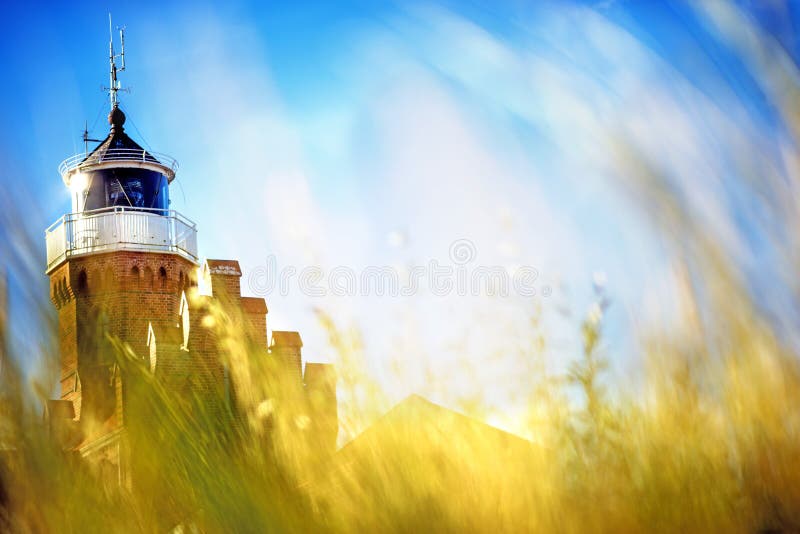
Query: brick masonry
140	298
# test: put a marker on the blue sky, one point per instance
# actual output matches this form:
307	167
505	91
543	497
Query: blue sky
363	133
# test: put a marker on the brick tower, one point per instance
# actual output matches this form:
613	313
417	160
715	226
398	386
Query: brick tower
117	264
121	265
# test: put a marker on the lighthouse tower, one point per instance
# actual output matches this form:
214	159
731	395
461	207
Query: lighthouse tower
118	264
121	265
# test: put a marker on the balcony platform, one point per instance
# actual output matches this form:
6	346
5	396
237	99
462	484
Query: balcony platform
120	228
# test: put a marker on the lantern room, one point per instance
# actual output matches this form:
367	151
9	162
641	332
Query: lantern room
119	173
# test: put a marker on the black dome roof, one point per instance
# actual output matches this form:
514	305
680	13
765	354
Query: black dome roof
118	140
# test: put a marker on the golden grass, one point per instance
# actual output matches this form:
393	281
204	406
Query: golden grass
712	446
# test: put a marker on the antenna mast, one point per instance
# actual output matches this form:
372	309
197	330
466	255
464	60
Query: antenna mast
114	84
86	138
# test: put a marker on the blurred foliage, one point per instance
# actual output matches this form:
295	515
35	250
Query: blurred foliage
710	443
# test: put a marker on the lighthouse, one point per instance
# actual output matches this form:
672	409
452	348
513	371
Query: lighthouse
123	268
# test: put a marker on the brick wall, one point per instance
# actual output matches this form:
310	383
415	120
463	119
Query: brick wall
128	294
286	348
123	291
320	388
255	313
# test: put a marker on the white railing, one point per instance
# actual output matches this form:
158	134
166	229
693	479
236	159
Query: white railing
122	155
120	228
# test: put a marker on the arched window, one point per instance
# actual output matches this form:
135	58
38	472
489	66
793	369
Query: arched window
185	323
151	343
162	277
83	283
135	280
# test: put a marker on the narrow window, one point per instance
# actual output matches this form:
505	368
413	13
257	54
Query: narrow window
135	277
151	343
83	283
185	323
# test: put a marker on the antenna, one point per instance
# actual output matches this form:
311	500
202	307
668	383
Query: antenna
86	138
114	84
122	46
